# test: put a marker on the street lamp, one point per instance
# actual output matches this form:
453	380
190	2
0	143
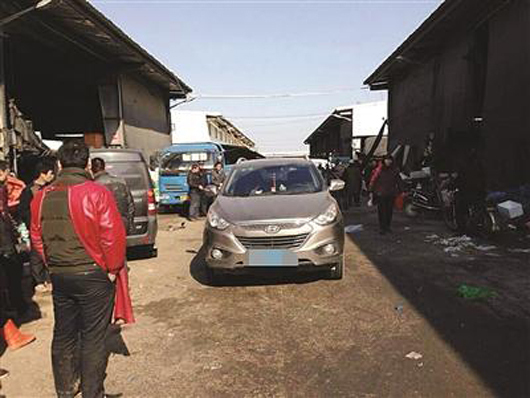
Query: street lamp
41	4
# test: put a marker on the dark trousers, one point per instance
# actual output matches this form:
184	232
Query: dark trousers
353	196
12	301
385	209
83	305
195	203
205	200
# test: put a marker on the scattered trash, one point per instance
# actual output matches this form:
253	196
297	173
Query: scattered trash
485	248
172	228
476	293
420	365
524	251
352	229
414	355
407	228
431	237
510	209
399	309
458	244
214	366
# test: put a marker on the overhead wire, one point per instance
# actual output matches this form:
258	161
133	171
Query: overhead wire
271	2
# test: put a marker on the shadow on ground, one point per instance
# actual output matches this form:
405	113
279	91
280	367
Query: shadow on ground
258	277
491	336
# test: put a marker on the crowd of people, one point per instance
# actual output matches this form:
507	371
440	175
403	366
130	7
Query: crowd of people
379	180
70	225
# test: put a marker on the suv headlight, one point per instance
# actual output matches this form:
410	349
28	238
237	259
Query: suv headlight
329	216
216	221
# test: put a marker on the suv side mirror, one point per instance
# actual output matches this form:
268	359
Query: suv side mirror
336	185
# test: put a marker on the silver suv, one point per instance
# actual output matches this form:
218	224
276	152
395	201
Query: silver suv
275	213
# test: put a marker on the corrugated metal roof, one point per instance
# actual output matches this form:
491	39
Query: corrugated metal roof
85	26
450	19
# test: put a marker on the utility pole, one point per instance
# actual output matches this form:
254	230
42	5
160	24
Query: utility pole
4	131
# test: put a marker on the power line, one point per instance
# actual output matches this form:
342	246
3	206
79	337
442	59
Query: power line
307	116
269	2
286	123
273	96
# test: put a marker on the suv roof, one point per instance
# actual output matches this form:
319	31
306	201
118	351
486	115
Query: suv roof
275	161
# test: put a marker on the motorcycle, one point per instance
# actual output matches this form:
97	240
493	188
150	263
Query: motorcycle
432	194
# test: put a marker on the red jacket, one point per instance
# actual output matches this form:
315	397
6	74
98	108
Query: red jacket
386	181
100	229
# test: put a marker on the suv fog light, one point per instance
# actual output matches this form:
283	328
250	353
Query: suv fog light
329	249
217	254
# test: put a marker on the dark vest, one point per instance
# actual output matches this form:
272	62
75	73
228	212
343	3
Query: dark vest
63	248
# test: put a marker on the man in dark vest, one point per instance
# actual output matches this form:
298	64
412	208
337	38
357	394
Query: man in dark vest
79	233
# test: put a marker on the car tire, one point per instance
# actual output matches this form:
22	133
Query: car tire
153	252
337	271
212	277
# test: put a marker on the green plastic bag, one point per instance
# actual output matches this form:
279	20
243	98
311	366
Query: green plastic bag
476	293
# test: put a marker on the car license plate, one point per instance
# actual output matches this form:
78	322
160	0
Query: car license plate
272	258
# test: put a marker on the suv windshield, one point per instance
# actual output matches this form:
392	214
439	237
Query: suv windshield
173	163
285	179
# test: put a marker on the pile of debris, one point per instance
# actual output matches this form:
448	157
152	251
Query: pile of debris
458	244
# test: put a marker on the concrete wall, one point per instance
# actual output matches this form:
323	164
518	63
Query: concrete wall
146	140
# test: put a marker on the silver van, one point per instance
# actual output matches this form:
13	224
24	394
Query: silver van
130	165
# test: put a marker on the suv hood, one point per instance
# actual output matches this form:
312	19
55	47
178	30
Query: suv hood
275	207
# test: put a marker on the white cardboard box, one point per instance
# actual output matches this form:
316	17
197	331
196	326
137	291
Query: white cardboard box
510	209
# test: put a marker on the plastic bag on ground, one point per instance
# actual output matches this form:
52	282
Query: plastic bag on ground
352	229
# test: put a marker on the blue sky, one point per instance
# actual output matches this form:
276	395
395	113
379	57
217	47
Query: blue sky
269	47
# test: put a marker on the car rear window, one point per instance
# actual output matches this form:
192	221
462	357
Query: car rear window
134	173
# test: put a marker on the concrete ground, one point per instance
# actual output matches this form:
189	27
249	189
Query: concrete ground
285	336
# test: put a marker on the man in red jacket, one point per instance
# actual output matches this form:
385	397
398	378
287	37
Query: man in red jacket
78	231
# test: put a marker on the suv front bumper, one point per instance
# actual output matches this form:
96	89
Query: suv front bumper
310	253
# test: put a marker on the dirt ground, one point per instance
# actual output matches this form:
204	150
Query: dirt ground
302	336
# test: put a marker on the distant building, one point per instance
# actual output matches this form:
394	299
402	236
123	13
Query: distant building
198	126
461	84
348	129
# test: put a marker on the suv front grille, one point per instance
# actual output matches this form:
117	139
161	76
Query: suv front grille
261	227
273	242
